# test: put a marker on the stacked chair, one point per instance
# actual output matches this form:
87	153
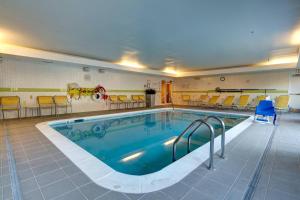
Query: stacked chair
45	102
61	102
113	100
282	102
186	99
212	102
243	102
10	103
227	103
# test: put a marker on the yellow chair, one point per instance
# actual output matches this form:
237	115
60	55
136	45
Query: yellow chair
212	102
243	102
256	100
45	102
124	100
200	101
113	100
142	100
282	102
204	97
61	102
135	100
228	102
10	103
186	98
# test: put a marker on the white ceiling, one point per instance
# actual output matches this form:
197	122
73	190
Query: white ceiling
198	34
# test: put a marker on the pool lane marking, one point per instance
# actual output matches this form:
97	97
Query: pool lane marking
15	185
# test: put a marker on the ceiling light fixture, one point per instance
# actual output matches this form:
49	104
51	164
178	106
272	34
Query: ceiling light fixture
170	70
295	40
281	60
130	59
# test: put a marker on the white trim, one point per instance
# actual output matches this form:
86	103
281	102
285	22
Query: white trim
106	177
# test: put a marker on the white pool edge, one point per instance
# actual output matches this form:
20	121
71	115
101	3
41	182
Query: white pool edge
106	177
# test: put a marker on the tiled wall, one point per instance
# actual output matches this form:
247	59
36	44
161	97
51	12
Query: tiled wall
28	74
279	80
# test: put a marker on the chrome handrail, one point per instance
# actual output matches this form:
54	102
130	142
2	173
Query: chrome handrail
212	142
222	155
179	137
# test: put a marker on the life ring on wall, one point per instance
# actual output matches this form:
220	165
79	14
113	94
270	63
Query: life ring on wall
99	93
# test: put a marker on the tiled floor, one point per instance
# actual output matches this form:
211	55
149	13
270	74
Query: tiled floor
45	173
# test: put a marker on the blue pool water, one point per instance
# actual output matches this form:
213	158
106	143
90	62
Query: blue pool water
140	144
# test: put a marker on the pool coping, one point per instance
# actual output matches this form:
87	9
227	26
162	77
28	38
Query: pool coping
104	176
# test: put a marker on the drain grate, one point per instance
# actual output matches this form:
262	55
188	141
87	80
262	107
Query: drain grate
15	185
256	177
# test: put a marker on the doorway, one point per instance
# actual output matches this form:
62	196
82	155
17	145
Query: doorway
166	92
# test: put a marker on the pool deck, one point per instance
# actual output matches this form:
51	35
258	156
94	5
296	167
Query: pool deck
250	168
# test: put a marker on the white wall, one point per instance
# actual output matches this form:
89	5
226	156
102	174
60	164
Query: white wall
279	80
16	72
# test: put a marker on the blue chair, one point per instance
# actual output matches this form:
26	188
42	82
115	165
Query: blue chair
265	108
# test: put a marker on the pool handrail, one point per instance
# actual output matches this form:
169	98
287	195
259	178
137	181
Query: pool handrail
222	155
212	138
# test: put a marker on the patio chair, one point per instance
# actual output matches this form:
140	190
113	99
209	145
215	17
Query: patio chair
113	100
123	99
202	100
265	109
10	103
243	102
186	99
61	102
45	102
135	100
256	101
227	103
282	102
142	100
212	102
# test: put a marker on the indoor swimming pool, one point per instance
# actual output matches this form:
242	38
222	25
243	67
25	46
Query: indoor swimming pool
124	150
140	144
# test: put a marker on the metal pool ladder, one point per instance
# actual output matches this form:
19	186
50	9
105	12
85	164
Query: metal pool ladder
198	123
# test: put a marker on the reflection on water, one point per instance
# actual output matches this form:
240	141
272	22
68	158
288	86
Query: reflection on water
140	144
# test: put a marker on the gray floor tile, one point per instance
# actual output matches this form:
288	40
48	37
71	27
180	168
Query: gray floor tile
57	188
7	192
80	179
156	196
222	177
212	189
285	186
278	195
33	195
71	170
48	178
113	196
177	191
25	174
92	191
73	195
64	162
192	179
41	161
28	185
45	169
235	195
196	195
